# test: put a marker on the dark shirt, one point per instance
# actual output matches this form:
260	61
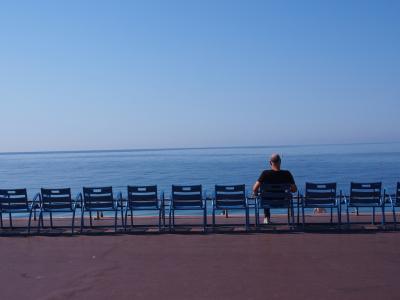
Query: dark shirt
276	177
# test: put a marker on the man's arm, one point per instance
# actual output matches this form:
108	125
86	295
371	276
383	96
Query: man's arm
293	188
256	187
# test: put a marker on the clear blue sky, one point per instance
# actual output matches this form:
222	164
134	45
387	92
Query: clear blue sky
144	74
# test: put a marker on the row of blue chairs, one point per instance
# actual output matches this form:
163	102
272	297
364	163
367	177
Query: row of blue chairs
191	197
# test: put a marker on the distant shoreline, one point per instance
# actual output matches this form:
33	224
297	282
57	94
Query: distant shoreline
186	148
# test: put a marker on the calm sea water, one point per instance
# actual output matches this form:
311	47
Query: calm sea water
338	163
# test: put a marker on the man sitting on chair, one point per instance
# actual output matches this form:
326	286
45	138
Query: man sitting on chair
274	176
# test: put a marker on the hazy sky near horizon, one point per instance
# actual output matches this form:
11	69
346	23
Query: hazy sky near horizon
144	74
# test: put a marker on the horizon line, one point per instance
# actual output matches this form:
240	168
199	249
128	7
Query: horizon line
185	148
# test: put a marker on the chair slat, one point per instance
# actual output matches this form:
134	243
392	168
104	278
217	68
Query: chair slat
55	206
232	203
366	195
142	189
186	188
320	186
230	188
14	206
366	186
13	192
187	197
320	195
230	196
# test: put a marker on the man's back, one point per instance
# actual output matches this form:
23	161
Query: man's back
276	177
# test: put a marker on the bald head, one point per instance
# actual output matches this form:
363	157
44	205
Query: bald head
275	161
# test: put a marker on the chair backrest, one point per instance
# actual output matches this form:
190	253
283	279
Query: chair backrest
142	196
275	195
16	199
320	193
230	195
187	196
365	193
53	199
98	197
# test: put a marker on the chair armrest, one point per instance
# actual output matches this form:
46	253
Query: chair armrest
162	201
383	198
390	199
120	198
301	199
78	202
36	201
346	200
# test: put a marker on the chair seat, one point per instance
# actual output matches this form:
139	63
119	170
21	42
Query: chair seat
364	205
100	209
242	206
58	209
322	205
22	210
137	207
186	207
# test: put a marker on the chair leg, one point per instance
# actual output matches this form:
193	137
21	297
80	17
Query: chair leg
383	215
10	219
131	217
163	215
213	219
169	219
126	219
288	216
82	219
247	219
173	220
115	220
90	217
256	217
331	215
40	222
122	217
348	217
51	219
205	220
394	217
29	222
292	212
159	220
373	215
303	216
338	215
73	222
1	220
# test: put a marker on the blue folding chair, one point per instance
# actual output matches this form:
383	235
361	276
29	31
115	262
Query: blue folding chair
365	195
230	197
99	199
321	195
275	196
57	201
395	202
144	198
187	197
15	201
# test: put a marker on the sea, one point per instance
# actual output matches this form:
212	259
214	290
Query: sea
207	166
